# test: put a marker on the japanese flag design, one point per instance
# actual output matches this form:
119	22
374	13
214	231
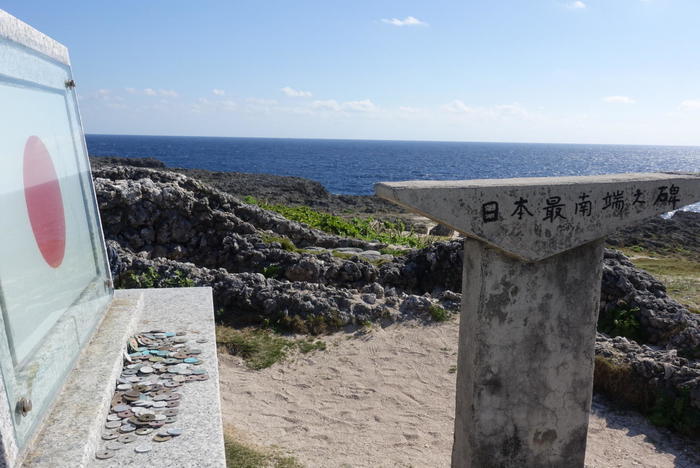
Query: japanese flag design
47	257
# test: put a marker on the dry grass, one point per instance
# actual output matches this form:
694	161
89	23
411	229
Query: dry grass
679	273
242	454
262	348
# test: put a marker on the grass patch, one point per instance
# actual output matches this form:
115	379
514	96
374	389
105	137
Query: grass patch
308	345
678	271
394	252
240	455
343	255
262	348
368	229
259	348
286	243
438	314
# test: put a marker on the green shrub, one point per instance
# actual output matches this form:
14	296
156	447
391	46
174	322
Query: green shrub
621	322
147	279
152	279
271	271
177	280
438	314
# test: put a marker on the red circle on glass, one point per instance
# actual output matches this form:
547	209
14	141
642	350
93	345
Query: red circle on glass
44	202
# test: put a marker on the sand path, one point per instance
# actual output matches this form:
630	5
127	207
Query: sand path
386	399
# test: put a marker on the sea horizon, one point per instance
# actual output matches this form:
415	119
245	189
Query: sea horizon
352	167
389	140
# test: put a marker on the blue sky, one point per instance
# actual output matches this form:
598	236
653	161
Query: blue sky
590	71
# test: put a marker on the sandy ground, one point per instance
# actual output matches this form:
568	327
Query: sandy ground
386	399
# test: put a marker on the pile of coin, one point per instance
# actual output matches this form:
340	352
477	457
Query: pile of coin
145	405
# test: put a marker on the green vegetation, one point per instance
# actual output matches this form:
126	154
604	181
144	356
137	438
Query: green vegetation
394	252
262	348
271	271
368	228
452	369
286	243
678	270
240	455
620	383
438	314
308	345
676	413
152	279
621	322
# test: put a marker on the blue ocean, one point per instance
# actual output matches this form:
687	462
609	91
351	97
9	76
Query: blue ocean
353	166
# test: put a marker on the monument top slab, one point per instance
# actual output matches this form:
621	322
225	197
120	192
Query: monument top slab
535	218
17	31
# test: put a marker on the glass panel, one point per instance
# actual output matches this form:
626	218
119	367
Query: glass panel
54	279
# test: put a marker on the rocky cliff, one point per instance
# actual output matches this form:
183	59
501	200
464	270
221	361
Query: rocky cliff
168	229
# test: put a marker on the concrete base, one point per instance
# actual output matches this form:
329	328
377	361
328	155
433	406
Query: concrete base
71	433
525	364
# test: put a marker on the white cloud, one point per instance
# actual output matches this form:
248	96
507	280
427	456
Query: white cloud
218	92
203	104
150	92
407	21
130	90
168	93
228	104
690	104
619	100
364	105
291	92
501	111
577	5
103	92
360	106
510	110
409	109
457	106
261	102
328	104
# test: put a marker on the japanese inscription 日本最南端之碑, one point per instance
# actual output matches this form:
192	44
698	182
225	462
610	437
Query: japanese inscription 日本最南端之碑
553	207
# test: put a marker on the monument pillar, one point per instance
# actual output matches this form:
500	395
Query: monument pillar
525	363
531	289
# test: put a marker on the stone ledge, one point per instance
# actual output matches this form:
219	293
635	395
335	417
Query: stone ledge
71	434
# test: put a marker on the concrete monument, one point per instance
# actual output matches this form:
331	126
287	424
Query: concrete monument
531	290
